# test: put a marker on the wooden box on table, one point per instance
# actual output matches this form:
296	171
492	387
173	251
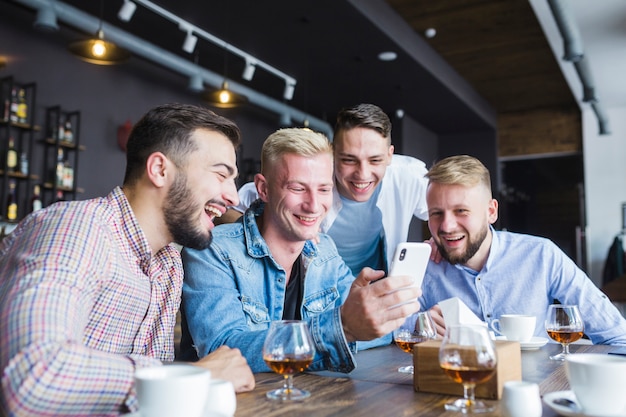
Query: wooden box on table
429	377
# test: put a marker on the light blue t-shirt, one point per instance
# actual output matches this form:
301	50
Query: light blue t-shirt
358	234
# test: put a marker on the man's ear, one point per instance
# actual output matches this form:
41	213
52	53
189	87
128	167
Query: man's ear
261	186
158	167
493	211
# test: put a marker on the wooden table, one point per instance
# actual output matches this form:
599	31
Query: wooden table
377	389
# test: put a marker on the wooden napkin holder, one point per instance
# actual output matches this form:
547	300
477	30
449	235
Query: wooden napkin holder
429	377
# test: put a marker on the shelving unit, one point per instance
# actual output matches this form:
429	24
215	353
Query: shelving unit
55	141
22	131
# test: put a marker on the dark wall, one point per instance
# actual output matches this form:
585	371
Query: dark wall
106	96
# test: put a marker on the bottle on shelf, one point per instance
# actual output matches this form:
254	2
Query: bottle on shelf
60	132
7	110
24	164
68	134
60	168
11	156
35	201
11	203
13	106
22	106
68	175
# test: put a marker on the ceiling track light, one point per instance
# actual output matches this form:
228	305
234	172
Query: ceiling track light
127	11
290	86
248	71
46	19
196	84
190	42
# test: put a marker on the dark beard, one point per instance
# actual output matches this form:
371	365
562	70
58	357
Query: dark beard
471	250
178	206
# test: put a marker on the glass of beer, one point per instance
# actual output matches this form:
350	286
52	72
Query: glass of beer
468	356
288	350
416	329
564	325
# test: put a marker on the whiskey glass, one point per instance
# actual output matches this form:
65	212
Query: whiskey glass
564	325
288	350
468	356
416	329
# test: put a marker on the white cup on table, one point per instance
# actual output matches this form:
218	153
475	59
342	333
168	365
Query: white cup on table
172	390
599	382
521	399
515	327
222	401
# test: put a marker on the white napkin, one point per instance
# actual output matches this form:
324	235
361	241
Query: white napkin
456	312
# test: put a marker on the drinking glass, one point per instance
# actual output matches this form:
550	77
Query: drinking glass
288	350
416	329
564	325
468	356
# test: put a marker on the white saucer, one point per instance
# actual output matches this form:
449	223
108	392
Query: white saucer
566	411
533	344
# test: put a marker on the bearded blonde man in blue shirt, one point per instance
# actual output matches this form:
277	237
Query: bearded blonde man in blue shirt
497	272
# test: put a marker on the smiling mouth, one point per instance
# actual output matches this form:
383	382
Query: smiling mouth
361	185
306	219
212	212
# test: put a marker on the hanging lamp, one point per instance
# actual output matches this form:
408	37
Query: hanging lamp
97	50
224	97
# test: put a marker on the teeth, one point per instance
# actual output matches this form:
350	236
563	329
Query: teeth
306	219
361	186
452	238
213	211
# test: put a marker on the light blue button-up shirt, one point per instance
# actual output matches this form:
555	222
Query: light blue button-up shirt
523	275
234	289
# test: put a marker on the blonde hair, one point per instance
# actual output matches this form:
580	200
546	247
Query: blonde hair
460	170
298	141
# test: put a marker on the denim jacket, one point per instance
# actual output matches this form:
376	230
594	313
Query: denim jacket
235	288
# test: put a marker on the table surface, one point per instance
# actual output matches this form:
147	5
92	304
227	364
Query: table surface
376	388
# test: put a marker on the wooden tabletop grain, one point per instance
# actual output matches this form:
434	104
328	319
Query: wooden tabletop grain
377	389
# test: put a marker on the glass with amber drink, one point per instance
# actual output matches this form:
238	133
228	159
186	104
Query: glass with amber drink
564	325
468	356
416	329
288	350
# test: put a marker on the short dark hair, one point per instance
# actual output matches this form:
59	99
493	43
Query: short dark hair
168	129
364	115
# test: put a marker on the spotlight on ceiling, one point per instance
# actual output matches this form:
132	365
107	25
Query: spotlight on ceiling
99	51
190	42
46	20
248	71
195	83
290	86
225	98
127	11
387	56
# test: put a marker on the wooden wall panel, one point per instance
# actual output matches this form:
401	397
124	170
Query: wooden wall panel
538	132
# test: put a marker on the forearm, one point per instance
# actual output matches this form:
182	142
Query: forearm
69	379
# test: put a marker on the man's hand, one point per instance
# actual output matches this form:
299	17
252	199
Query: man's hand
437	316
229	364
371	310
435	255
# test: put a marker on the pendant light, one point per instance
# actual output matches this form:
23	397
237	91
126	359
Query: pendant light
97	50
224	97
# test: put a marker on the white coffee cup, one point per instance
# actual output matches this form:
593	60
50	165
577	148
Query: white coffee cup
599	382
521	399
172	390
222	401
516	327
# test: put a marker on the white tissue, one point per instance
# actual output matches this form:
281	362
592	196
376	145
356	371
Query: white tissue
456	312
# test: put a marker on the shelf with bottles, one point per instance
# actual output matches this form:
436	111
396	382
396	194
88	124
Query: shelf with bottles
62	148
17	126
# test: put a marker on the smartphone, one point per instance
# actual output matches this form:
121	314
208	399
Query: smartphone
411	258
